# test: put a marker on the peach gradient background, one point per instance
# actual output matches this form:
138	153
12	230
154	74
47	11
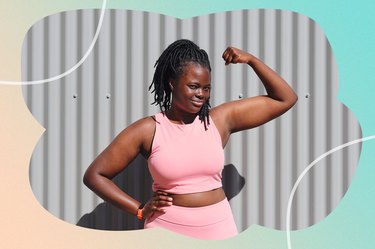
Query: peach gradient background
24	223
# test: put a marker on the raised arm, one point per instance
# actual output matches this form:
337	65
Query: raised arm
251	112
132	141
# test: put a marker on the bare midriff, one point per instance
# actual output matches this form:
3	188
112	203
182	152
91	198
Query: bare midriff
199	199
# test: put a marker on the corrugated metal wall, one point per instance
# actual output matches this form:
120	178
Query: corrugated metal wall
85	110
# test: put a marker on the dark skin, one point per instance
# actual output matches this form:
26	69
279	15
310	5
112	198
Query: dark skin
189	92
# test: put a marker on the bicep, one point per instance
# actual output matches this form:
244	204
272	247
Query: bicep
250	112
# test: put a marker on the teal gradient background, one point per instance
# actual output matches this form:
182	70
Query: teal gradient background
349	27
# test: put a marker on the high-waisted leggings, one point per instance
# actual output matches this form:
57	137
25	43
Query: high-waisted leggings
213	222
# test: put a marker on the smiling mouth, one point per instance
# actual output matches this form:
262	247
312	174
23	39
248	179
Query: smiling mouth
197	103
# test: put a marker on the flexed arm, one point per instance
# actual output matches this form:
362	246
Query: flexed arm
251	112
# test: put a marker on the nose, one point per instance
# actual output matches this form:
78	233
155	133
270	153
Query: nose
199	93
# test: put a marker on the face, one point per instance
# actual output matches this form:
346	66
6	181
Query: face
192	89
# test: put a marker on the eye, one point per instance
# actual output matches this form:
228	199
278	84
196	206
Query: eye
207	89
193	87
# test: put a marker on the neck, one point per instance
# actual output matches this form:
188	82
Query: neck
180	118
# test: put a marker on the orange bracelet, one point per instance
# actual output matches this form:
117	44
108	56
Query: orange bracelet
139	214
140	211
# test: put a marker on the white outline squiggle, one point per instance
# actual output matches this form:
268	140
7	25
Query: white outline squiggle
305	172
79	63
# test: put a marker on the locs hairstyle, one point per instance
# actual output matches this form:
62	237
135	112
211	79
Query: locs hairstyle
170	66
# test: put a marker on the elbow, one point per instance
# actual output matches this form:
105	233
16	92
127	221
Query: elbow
294	100
291	101
88	178
93	177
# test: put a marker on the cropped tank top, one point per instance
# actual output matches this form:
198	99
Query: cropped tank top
185	158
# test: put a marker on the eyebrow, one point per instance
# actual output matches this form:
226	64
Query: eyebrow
198	83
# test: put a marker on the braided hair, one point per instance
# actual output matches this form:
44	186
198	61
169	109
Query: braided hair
170	66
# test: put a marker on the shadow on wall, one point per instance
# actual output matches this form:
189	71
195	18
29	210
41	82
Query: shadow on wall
107	217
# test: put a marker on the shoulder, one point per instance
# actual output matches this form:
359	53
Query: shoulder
221	114
137	136
142	127
139	130
146	122
220	117
225	117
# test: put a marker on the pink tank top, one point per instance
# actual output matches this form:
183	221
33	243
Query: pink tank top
185	158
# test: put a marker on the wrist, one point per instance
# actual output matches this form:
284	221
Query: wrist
140	212
251	60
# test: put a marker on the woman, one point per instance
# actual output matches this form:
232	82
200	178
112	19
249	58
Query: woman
184	143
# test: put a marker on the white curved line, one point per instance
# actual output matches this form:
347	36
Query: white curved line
79	63
305	172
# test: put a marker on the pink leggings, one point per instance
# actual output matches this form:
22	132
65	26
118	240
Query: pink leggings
213	222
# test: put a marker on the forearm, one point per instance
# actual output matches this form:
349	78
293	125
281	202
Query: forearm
108	191
277	88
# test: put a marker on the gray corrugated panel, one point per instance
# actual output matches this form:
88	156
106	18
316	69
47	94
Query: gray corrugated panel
85	110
